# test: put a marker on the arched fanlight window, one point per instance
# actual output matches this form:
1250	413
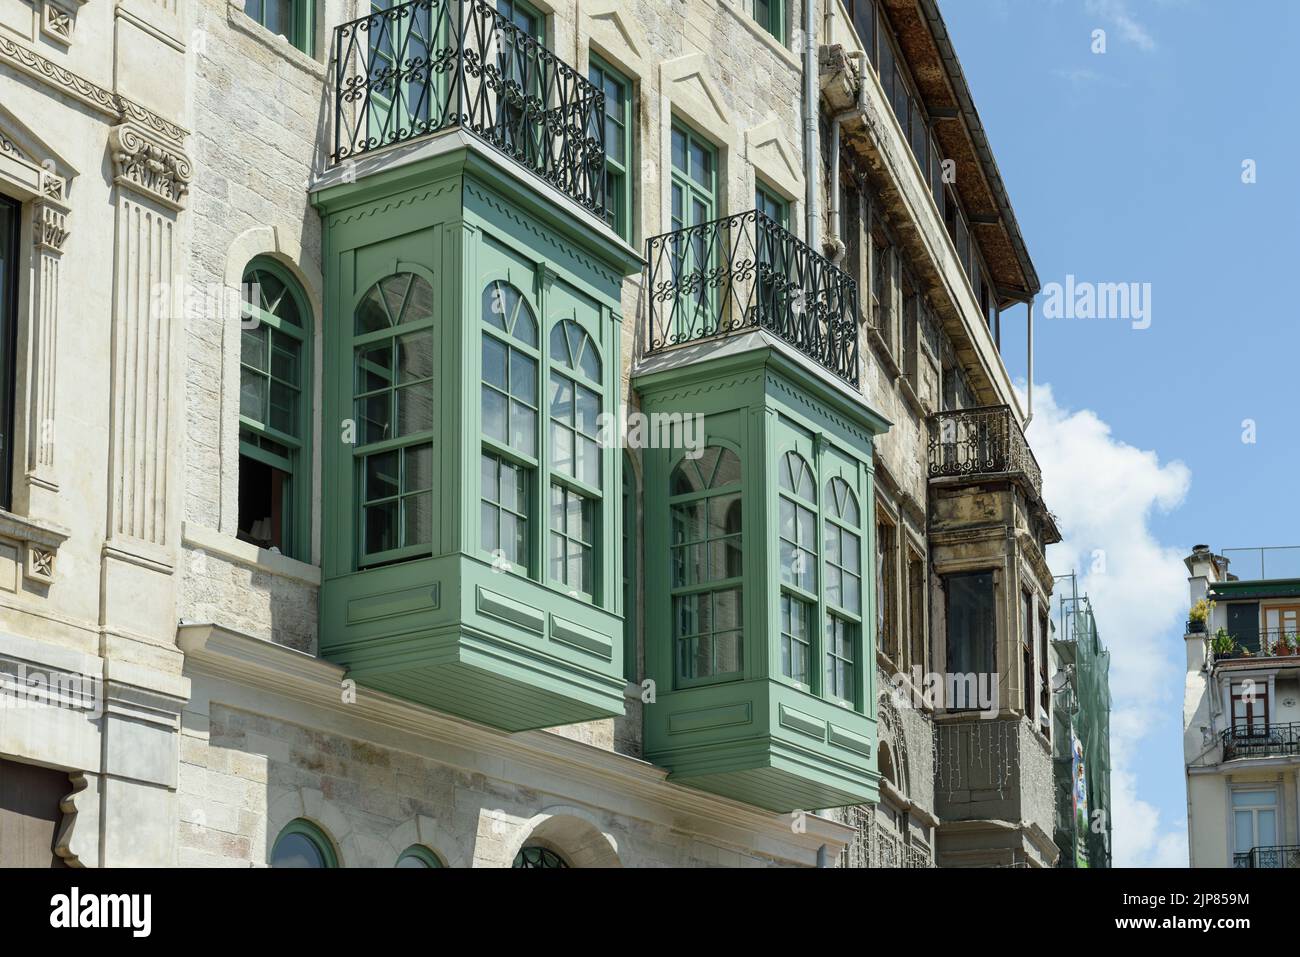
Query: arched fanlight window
843	547
511	357
706	564
303	844
575	409
797	536
394	401
538	857
274	412
417	855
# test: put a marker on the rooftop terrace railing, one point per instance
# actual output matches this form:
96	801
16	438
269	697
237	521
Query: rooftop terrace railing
1262	564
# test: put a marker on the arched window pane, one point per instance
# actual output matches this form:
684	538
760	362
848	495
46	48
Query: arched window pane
418	856
301	844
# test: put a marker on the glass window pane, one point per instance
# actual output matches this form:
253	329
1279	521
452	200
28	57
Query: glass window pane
523	428
284	359
381	527
252	395
417	514
415	408
523	377
374	418
414	356
418	472
495	355
381	475
252	347
494	414
284	408
374	367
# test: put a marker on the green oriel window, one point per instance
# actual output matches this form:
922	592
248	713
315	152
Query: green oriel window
770	15
291	19
705	506
274	412
842	536
511	358
575	408
619	189
393	396
797	533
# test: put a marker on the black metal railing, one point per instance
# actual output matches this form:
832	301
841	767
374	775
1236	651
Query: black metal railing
1260	740
430	65
982	441
1263	643
747	272
1277	855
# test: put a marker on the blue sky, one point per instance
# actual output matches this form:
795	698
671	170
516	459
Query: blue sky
1126	166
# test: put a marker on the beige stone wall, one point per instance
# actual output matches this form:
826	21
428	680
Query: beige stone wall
244	775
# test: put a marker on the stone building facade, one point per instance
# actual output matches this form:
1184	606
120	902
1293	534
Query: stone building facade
245	653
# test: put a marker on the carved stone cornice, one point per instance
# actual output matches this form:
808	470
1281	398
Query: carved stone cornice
149	165
104	101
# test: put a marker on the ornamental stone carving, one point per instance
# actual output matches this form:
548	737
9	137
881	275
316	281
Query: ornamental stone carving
149	165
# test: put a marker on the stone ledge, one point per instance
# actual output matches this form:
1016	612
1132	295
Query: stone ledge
213	542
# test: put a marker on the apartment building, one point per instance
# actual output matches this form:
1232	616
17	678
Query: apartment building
1240	715
296	566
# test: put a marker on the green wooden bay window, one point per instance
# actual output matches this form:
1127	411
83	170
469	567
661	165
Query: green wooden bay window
754	552
274	412
470	557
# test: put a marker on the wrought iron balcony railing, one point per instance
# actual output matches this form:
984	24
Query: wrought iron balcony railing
747	272
1260	740
983	441
1277	855
430	65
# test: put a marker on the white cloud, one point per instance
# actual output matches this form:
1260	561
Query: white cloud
1104	492
1117	14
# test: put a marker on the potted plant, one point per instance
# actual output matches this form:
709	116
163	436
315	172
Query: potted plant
1223	644
1197	617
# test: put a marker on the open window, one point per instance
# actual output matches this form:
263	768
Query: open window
274	421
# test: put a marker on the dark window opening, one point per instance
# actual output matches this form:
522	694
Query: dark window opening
971	625
263	490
